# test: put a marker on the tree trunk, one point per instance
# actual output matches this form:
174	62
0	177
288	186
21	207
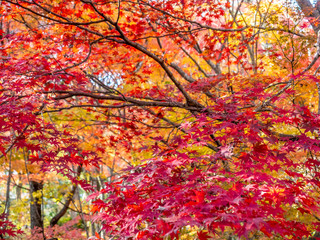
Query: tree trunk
19	188
7	203
35	205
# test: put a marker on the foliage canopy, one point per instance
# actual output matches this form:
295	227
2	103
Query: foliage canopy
213	106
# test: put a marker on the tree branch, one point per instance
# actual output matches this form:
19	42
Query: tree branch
60	214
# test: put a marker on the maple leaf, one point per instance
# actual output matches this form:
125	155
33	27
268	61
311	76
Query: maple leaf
185	125
226	151
203	235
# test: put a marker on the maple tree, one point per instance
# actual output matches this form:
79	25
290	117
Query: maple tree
212	105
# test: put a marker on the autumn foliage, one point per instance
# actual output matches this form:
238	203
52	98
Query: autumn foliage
205	113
